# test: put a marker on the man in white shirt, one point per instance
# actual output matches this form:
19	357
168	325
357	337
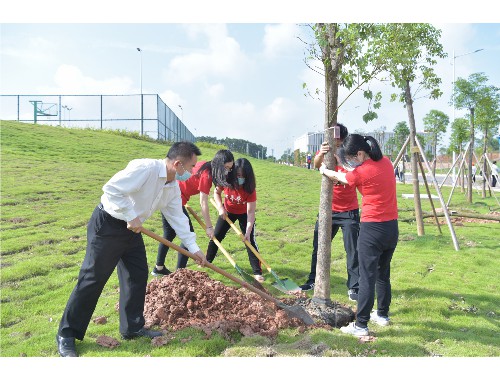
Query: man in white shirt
114	240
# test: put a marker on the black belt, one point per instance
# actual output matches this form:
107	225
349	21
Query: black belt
101	207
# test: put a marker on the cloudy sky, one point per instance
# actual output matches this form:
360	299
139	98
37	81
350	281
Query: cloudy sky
233	77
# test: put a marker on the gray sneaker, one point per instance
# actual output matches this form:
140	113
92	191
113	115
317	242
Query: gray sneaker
353	294
379	320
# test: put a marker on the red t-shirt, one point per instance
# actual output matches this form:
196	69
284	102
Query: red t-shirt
196	183
344	196
376	182
235	200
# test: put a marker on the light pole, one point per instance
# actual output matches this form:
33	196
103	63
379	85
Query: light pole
453	84
140	73
182	113
453	89
69	112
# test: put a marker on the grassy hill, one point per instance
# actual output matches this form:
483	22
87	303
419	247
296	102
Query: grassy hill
445	303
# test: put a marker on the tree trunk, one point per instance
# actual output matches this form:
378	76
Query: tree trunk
322	288
485	169
471	154
414	161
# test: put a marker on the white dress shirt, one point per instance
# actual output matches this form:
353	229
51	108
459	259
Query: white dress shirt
140	189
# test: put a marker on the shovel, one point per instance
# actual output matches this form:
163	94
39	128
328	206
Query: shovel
247	277
294	311
285	285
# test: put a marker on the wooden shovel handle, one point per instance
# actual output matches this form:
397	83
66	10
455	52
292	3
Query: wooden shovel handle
211	266
237	230
214	239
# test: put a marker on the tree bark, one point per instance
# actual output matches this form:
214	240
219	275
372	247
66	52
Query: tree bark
322	288
471	154
485	169
414	161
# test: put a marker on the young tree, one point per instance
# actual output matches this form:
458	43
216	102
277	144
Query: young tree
488	119
472	94
410	51
435	123
348	60
459	135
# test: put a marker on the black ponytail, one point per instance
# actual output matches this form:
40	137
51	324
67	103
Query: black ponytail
354	143
375	152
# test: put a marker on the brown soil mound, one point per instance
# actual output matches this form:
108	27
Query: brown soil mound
189	298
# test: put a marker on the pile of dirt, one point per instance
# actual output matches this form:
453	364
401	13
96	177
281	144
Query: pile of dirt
189	298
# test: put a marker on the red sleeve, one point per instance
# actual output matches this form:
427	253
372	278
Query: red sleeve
352	178
252	197
205	182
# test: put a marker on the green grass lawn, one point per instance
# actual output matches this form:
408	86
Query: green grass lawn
445	302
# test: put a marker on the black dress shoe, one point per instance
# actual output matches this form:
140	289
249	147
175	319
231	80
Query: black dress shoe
142	332
66	346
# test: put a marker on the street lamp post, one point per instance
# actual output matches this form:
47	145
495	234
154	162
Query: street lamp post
453	89
182	113
453	84
140	70
142	100
69	112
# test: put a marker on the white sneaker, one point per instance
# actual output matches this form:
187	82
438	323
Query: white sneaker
259	278
352	329
381	321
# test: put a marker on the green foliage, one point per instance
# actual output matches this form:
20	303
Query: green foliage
236	145
470	93
443	301
435	123
459	135
408	52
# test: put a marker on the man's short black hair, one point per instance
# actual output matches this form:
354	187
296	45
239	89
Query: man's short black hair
183	149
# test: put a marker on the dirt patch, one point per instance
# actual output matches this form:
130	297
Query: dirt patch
107	341
189	298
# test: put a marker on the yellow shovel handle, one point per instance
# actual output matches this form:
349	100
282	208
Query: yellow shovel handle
214	239
240	234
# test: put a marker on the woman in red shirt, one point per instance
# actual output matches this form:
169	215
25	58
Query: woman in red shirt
373	176
239	204
218	172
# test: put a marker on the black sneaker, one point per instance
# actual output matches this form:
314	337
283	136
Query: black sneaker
353	294
142	332
309	285
160	272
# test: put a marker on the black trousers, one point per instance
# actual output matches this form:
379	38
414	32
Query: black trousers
170	234
376	245
109	244
221	228
349	223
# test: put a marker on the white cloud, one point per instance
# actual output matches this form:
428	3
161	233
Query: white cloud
35	50
280	40
223	57
215	90
69	79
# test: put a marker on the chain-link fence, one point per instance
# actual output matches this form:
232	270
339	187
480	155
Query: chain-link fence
146	114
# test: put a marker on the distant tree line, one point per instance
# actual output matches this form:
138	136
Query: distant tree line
237	145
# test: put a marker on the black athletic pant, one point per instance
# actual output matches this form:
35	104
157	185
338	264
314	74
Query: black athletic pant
376	244
220	232
349	223
109	244
170	234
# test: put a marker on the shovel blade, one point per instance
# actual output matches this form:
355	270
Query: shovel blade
286	285
296	311
249	278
